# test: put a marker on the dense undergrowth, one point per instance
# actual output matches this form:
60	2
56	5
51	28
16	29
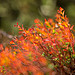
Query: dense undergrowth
44	49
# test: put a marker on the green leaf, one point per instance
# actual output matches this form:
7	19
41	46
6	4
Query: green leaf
73	56
43	54
70	49
51	66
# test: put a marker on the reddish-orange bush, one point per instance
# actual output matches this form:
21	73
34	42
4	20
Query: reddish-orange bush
39	46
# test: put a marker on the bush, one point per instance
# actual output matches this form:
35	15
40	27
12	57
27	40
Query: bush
45	48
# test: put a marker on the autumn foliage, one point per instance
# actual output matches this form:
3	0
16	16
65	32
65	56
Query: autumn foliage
45	48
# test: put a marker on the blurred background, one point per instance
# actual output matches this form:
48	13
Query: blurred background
25	11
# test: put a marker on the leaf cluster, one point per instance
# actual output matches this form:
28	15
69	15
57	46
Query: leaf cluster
39	46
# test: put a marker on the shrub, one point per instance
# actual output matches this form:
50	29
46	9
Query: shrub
43	46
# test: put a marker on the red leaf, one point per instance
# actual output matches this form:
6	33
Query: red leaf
15	25
71	27
12	42
36	20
